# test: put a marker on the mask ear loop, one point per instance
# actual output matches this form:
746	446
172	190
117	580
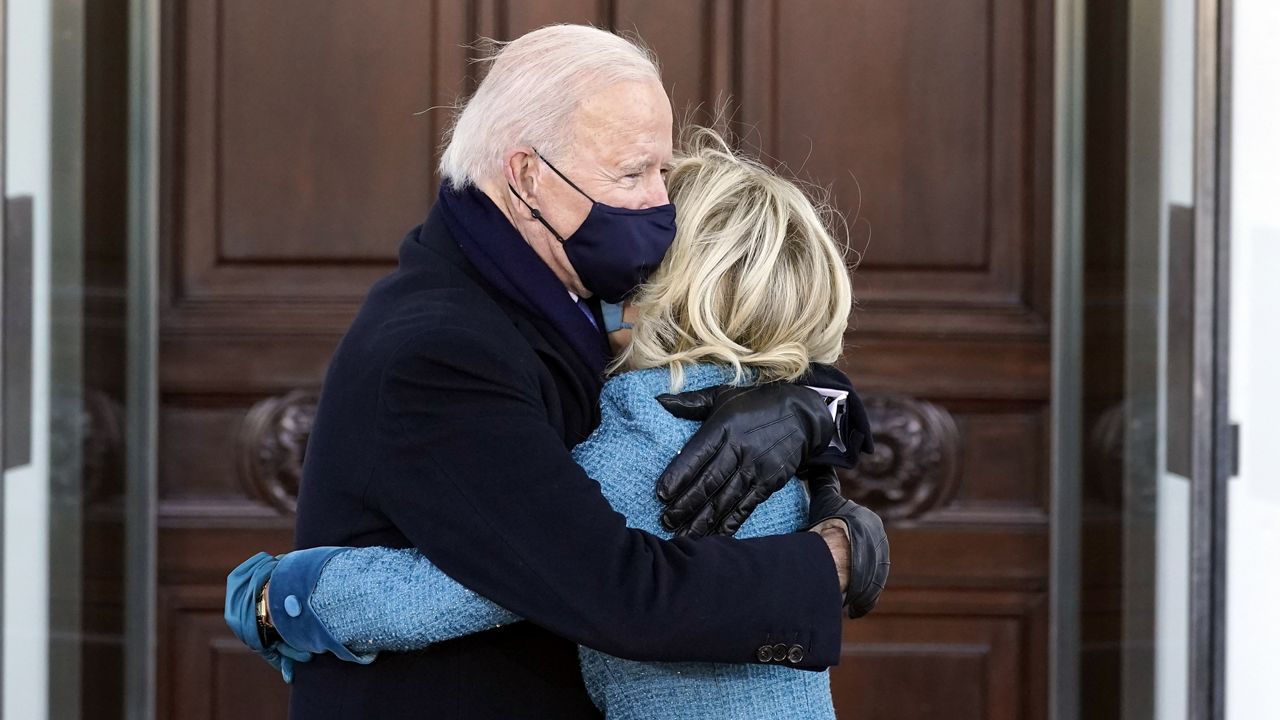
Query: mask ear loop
537	214
556	170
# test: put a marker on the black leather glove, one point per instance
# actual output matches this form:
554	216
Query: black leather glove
751	442
868	545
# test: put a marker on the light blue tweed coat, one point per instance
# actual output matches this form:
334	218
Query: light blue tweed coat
375	599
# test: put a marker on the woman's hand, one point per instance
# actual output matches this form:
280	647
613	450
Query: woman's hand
289	631
751	441
620	337
245	585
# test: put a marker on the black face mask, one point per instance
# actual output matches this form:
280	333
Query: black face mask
615	249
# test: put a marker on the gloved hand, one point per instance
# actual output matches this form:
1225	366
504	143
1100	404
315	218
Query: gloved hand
868	545
244	584
751	441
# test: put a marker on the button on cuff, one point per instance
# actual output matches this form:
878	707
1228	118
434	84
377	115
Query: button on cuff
292	583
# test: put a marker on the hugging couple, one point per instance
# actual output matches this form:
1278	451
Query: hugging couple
575	457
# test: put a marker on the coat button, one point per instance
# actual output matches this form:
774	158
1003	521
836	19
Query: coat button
764	654
779	652
795	654
292	606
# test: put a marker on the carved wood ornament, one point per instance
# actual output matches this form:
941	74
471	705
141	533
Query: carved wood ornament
272	444
916	463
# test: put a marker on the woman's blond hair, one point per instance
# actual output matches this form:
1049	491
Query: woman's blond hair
754	279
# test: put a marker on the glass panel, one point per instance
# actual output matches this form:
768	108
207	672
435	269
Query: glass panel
26	491
1137	387
70	509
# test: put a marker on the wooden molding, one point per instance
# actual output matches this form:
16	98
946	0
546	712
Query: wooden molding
916	463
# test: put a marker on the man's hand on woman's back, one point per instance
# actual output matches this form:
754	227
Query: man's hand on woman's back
868	546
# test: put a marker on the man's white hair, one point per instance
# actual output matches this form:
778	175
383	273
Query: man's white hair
529	95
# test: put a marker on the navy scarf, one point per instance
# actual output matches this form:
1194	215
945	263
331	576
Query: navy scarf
501	255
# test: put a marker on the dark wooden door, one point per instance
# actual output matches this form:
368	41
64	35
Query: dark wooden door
300	139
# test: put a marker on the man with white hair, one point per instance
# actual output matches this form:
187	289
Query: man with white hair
450	406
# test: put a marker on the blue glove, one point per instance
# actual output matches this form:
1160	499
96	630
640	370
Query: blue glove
243	585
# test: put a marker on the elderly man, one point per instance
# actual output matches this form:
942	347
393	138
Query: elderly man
450	406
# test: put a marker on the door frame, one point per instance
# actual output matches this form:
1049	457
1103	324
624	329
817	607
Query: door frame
142	382
1066	417
1213	442
4	201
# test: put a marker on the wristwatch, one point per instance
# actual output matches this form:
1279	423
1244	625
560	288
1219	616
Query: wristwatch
266	631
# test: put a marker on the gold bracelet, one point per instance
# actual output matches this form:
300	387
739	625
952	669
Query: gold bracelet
264	616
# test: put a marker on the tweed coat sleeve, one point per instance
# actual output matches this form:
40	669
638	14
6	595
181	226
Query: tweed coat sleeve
375	598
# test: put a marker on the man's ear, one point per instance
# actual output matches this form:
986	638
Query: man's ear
521	170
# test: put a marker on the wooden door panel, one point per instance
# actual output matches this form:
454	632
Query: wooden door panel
908	114
204	672
295	158
517	17
923	121
321	147
695	42
942	655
